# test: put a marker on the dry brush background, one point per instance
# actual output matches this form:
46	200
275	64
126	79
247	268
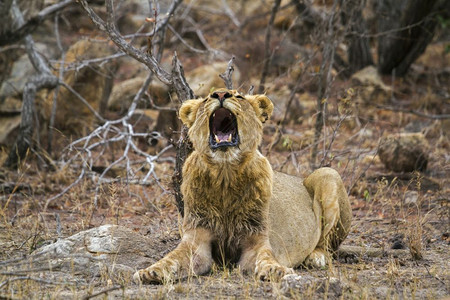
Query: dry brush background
90	140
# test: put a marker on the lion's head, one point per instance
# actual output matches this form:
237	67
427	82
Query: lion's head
226	124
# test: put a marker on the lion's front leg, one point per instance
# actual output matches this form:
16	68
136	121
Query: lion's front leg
191	256
258	256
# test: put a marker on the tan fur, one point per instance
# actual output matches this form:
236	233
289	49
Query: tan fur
238	211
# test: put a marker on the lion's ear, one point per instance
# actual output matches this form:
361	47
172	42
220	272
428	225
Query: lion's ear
262	105
188	111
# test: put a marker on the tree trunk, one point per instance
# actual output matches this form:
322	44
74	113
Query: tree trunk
406	27
358	52
23	142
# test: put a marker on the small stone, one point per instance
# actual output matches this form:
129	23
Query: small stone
294	282
293	285
411	197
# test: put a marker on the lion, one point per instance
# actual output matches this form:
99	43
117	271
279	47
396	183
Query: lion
237	210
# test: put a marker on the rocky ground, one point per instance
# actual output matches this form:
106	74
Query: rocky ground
88	241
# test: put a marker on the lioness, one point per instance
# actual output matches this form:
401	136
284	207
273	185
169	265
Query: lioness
237	210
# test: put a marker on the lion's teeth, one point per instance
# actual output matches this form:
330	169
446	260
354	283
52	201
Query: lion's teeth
229	138
217	139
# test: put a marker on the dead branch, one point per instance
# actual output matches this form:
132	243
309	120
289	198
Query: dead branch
121	131
105	291
45	79
201	37
180	38
229	12
346	251
110	28
324	81
414	112
182	88
268	55
36	279
160	30
226	76
24	29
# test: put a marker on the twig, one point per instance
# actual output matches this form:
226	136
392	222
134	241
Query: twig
333	137
9	280
226	76
434	276
79	64
105	291
178	36
28	270
230	13
84	101
414	112
203	40
65	190
161	26
58	225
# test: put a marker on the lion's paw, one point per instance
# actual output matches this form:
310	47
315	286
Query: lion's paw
317	259
272	271
157	273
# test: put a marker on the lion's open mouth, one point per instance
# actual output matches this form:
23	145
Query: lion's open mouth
223	129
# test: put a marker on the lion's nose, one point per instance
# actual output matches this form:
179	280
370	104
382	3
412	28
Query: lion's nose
221	96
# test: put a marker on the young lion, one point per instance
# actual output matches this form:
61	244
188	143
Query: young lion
237	210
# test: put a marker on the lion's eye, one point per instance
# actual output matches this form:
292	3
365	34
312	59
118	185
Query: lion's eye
240	97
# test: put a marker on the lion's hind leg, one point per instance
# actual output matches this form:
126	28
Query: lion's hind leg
326	187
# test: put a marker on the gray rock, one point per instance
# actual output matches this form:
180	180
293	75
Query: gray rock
411	197
294	285
108	248
404	152
20	73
